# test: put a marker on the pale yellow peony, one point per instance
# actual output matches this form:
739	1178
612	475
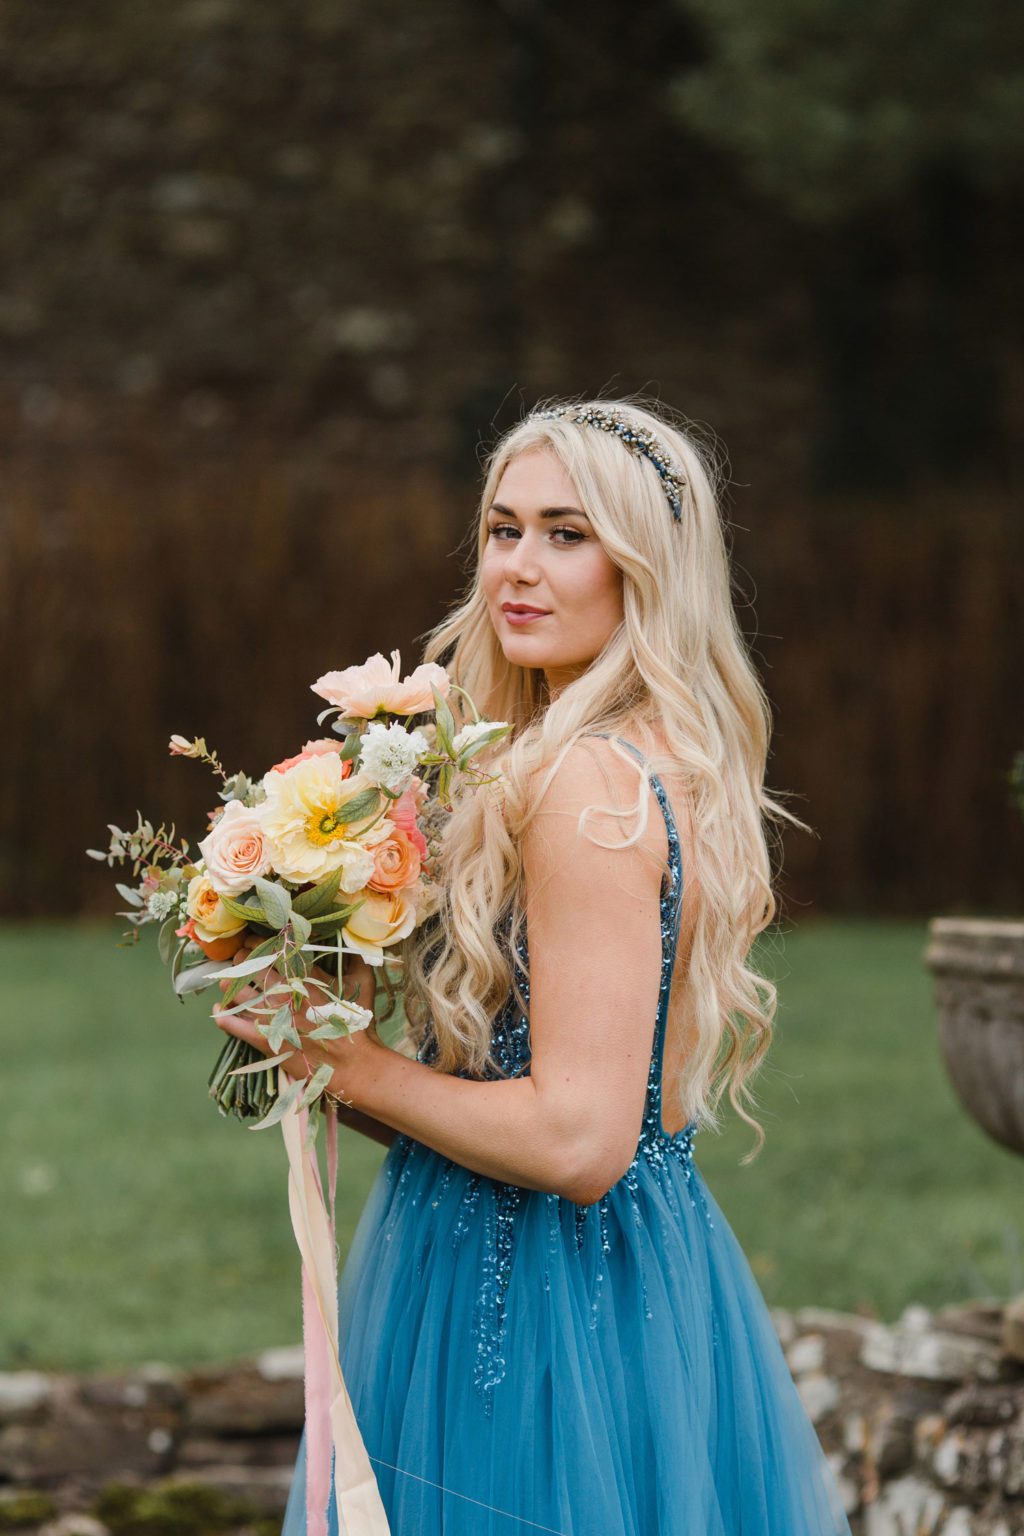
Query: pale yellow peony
304	828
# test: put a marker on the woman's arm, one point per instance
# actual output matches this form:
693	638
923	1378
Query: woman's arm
571	1127
366	1126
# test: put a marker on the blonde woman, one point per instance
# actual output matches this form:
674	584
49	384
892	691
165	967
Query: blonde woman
546	1323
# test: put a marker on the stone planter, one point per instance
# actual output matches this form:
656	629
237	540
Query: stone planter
978	966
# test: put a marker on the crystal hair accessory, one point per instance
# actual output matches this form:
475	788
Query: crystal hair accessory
640	441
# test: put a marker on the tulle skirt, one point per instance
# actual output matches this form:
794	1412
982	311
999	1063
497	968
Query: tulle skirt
520	1364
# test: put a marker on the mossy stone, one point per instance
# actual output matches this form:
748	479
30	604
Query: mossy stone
170	1509
25	1508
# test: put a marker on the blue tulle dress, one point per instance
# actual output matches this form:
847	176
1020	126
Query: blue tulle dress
519	1364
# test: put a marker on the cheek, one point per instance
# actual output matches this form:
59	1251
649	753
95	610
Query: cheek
490	572
601	595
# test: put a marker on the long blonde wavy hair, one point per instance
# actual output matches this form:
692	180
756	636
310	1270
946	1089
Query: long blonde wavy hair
676	667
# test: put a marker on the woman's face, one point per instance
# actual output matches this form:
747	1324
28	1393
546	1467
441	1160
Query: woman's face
553	594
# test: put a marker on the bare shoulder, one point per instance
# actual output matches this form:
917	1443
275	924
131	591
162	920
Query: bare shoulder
591	770
593	805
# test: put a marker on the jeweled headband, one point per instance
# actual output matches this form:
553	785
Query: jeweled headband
640	441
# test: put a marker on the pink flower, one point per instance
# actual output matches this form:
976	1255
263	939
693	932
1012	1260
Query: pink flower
359	692
403	813
313	749
235	851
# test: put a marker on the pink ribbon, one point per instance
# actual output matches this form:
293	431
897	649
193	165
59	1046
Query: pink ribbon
335	1454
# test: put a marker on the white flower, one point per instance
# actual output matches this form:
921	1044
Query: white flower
471	734
390	753
162	903
342	1013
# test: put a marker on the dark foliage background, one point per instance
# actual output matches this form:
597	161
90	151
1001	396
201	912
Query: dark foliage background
271	276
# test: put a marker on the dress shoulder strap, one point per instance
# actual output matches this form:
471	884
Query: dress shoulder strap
671	914
675	857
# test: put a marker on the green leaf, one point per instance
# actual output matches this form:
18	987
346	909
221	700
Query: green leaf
284	1103
244	912
316	1085
340	914
332	922
353	742
197	977
176	963
319	897
280	1028
301	928
484	741
277	903
267	951
247	967
166	939
128	894
445	724
365	804
263	1065
313	1124
328	1031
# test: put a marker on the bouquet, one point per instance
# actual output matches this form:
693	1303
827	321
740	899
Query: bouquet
330	853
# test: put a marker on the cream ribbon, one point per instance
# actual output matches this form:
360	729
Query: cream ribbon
357	1498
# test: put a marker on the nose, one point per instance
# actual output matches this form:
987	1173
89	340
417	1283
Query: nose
521	561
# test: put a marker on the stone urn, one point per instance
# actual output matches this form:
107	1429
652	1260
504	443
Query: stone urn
978	965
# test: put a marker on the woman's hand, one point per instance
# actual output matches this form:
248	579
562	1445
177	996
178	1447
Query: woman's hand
345	1055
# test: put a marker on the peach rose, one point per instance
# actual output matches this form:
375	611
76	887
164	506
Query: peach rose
359	692
396	863
384	918
211	920
235	852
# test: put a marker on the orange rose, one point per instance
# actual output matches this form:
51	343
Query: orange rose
314	749
396	863
215	949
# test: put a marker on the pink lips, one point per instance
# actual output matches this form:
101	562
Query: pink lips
518	613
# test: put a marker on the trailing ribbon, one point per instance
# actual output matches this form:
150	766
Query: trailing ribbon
331	1428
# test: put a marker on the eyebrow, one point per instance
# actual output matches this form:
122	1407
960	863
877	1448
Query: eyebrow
496	506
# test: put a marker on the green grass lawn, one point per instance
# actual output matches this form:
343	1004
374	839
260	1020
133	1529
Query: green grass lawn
139	1225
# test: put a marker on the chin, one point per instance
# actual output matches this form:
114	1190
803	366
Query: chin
523	651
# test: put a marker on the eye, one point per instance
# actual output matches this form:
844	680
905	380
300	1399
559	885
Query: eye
567	536
499	530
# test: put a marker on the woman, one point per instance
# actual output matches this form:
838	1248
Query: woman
545	1322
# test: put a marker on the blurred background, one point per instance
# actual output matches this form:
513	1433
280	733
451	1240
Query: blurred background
272	278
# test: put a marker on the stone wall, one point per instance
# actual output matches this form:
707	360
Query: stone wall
922	1421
